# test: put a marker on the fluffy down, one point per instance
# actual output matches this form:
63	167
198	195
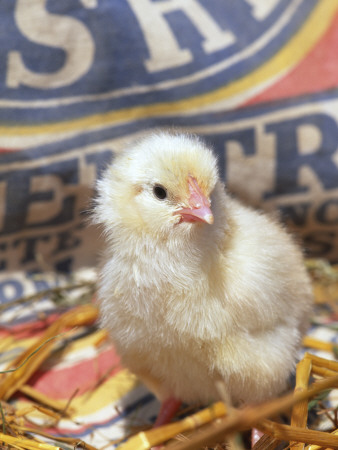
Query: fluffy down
187	301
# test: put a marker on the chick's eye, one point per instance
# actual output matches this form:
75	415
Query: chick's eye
160	192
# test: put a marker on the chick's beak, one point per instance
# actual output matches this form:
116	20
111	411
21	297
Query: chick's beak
199	205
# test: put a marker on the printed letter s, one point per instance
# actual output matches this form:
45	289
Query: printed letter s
53	30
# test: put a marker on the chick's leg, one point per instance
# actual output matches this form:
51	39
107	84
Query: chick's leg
169	405
169	408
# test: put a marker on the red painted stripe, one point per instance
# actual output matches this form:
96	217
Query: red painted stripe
84	376
8	150
316	73
29	329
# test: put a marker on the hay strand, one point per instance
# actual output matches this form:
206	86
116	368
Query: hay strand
156	436
297	434
300	410
56	405
316	344
14	378
216	425
27	444
318	447
238	420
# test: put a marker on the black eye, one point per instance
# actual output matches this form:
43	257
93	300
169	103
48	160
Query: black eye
160	192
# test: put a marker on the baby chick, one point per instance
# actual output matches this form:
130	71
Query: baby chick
196	287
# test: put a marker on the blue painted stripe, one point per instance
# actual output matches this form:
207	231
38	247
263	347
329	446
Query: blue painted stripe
92	137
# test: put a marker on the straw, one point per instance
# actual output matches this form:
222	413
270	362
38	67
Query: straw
215	425
15	378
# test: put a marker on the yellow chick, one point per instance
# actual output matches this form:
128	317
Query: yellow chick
196	287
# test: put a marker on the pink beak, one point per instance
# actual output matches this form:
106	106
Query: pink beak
199	210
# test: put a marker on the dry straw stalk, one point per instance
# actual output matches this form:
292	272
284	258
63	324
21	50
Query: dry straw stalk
238	420
40	351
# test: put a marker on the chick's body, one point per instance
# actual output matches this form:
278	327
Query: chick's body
187	301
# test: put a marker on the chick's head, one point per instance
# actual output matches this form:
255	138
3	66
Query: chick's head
163	182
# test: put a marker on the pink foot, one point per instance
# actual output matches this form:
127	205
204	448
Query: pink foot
167	411
255	436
